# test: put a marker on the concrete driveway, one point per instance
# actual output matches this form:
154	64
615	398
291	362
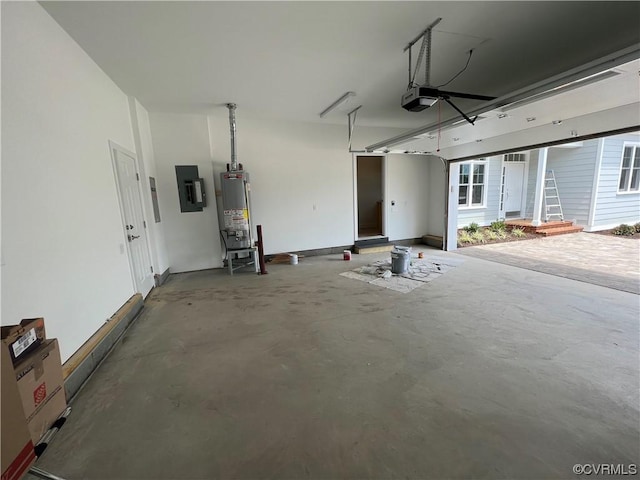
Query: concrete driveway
587	257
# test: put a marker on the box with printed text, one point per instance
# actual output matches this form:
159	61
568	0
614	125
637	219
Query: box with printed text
41	387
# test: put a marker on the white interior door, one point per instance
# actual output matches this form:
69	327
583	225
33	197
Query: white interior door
513	185
134	223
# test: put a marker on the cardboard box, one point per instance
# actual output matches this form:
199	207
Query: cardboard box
41	387
24	338
16	450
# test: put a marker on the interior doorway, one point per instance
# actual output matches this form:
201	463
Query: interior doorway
134	224
370	188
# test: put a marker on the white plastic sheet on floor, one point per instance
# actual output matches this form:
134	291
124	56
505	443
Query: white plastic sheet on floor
421	270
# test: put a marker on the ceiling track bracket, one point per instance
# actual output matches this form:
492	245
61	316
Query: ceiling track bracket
352	116
425	51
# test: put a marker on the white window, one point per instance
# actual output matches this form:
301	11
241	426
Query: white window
473	184
630	169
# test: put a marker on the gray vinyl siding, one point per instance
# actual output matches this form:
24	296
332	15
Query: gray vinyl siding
489	213
575	169
613	208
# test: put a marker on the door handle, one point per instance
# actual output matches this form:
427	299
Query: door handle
132	237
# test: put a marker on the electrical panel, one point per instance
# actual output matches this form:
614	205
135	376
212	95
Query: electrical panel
190	188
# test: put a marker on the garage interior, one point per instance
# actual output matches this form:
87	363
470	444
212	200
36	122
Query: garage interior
488	371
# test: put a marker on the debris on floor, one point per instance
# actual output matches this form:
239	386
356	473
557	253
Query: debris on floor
420	272
282	258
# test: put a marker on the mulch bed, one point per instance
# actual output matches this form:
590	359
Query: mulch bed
527	236
610	233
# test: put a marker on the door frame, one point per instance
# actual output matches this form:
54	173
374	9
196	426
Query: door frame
384	173
525	182
113	148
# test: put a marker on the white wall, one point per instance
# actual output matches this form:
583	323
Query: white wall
62	237
192	239
437	190
407	186
147	168
302	181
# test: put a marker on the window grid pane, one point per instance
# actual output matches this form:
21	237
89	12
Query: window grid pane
626	158
462	194
624	175
635	179
477	195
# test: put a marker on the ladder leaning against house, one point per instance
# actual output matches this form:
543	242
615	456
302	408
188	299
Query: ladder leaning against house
552	207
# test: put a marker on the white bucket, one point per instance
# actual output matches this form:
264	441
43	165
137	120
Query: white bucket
293	259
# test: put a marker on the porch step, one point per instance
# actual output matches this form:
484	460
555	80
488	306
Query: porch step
377	248
560	230
371	242
547	226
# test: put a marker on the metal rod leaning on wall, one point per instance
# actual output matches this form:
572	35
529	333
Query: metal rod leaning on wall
263	267
38	472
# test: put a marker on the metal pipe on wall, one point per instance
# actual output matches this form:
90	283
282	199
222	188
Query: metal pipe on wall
232	128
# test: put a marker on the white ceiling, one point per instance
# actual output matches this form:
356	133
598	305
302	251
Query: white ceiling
290	60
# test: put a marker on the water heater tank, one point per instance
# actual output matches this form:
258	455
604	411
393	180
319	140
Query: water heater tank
235	204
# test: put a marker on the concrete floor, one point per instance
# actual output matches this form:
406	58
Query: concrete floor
490	371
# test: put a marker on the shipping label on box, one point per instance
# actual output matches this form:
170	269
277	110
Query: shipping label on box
23	338
41	386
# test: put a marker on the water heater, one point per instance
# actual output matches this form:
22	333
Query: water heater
235	203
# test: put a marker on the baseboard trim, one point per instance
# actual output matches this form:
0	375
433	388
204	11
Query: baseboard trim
79	367
161	278
317	251
435	241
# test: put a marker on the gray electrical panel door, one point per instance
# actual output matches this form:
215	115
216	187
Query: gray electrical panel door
190	188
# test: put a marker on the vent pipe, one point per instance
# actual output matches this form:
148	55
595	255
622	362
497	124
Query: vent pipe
232	127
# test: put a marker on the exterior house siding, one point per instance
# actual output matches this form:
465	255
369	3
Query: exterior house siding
489	213
613	208
574	169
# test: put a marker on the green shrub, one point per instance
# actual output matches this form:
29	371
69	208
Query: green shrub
478	236
491	235
472	227
464	237
502	234
637	227
518	232
498	226
624	229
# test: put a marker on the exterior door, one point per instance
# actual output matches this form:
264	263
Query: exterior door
513	185
134	223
